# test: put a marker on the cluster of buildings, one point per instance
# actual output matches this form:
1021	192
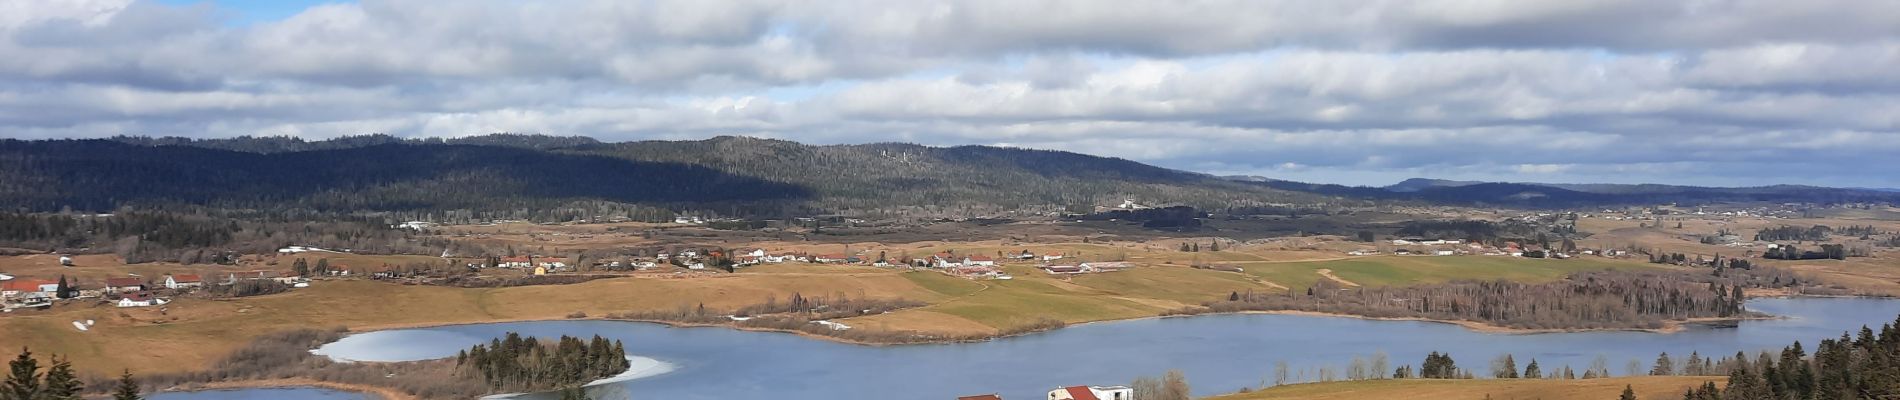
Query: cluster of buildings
1075	393
1086	268
130	291
1457	247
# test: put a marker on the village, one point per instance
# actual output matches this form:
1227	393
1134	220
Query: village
19	292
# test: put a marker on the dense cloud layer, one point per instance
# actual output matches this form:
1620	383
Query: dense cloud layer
1721	92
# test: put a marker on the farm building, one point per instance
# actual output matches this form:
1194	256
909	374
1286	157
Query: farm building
1092	393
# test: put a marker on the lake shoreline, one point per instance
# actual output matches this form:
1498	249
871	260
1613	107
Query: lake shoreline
1672	326
379	392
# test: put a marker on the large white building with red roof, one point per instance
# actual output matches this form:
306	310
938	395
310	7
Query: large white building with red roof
1092	393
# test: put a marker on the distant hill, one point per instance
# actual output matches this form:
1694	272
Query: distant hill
731	176
563	178
1417	184
1441	191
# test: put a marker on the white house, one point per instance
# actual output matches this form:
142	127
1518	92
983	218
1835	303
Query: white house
978	261
183	281
1051	257
139	299
1090	267
1092	393
124	285
1444	252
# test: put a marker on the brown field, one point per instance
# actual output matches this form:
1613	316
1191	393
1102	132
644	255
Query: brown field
190	333
1879	274
1647	387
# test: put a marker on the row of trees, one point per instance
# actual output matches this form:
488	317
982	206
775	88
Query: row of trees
1864	366
59	382
1783	233
1828	251
1172	385
1599	299
201	236
515	363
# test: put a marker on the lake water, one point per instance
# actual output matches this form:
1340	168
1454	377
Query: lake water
1218	353
296	393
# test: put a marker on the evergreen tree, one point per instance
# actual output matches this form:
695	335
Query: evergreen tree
1664	366
23	379
300	267
61	383
1532	372
1629	393
65	290
127	389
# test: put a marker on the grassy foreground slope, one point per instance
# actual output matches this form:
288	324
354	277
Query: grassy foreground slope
1646	387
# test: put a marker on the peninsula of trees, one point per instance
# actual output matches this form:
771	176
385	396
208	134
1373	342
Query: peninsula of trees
1585	300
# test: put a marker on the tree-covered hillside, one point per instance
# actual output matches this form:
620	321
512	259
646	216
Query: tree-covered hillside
502	174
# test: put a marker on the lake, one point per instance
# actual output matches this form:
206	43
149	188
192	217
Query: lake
1218	353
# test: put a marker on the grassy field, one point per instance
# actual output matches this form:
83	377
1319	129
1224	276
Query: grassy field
1648	387
190	333
1407	270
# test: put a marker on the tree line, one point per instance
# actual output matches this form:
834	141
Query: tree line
201	236
515	363
1863	366
59	382
1596	299
1784	232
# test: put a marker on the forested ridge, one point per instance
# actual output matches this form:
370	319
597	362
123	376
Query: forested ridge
566	178
501	175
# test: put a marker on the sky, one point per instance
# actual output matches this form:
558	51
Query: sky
1364	92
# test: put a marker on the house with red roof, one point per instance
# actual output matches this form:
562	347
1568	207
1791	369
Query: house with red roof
979	260
139	299
1092	393
28	287
183	281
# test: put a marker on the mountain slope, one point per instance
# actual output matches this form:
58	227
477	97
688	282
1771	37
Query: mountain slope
102	175
977	178
727	175
1417	184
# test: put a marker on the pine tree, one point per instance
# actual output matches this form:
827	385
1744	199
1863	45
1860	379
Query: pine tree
1629	393
1532	372
127	389
1664	366
65	290
61	383
23	380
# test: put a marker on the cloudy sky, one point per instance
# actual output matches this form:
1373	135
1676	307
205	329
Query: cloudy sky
1709	92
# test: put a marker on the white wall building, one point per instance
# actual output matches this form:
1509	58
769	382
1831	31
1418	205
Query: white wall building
1092	393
